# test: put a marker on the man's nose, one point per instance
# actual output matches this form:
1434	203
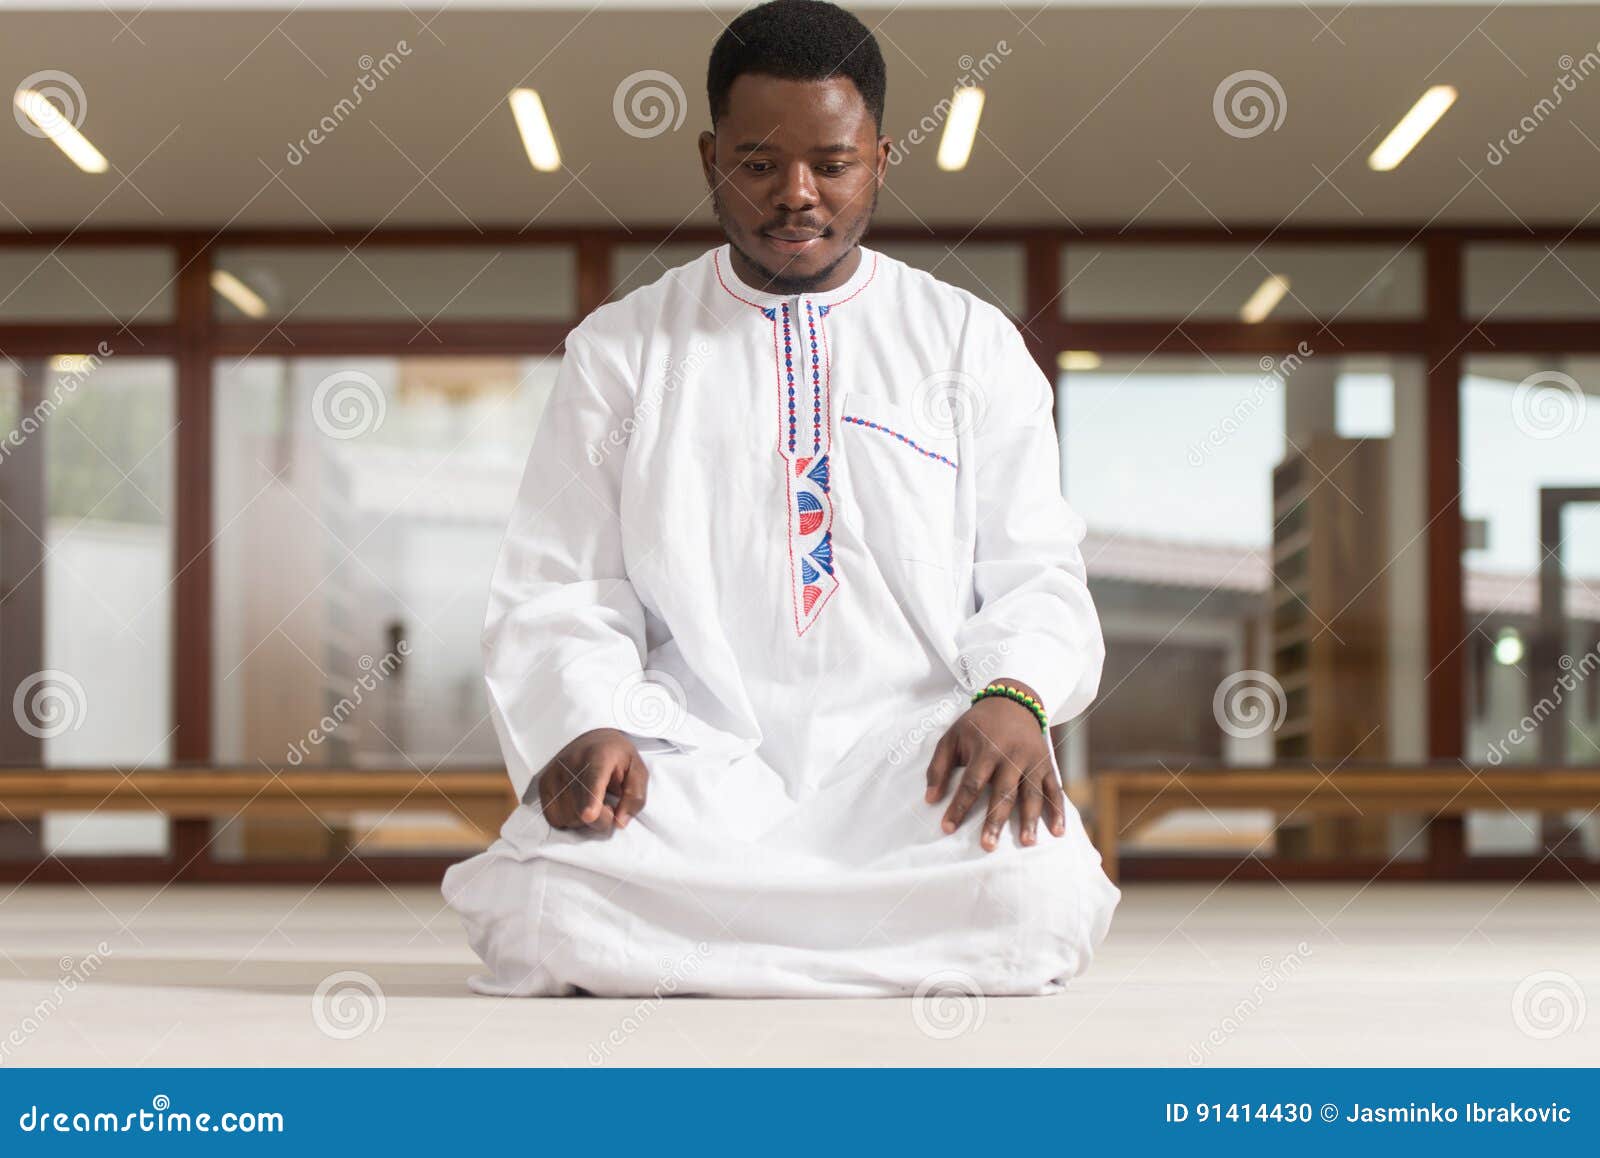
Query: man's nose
797	192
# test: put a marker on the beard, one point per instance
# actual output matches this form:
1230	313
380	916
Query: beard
779	280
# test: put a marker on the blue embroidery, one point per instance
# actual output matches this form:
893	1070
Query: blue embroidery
920	450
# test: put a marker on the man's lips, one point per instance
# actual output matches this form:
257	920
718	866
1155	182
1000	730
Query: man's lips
794	243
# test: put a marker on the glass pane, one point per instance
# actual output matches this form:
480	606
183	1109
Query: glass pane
996	272
396	283
1253	539
86	502
633	266
82	283
1218	282
359	507
1509	280
1531	497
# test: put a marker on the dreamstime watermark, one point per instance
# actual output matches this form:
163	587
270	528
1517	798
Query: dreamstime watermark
1274	373
374	673
947	1004
348	1004
65	383
1249	703
1548	404
1548	1004
676	374
948	402
49	703
73	974
49	101
1573	72
1545	708
943	713
373	72
673	975
1248	103
648	103
650	703
348	404
973	72
1274	974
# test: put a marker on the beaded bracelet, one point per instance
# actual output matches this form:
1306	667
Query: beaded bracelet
1020	697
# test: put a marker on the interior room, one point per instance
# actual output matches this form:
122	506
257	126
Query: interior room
284	291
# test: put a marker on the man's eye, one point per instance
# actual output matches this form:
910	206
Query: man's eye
758	166
835	169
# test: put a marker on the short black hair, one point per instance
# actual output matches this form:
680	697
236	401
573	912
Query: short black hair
797	40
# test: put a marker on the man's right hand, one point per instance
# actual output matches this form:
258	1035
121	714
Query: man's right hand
574	785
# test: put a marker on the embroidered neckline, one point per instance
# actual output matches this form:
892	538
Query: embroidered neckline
722	265
808	529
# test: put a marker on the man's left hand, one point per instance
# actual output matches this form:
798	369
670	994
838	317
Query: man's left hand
1005	750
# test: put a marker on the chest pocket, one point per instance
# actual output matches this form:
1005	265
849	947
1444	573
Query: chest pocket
901	480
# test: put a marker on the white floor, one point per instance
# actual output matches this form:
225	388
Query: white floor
1243	975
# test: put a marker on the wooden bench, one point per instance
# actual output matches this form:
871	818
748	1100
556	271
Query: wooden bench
193	797
1127	801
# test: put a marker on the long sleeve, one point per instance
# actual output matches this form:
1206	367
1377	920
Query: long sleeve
1034	619
565	630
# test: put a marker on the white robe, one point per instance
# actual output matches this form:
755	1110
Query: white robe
780	541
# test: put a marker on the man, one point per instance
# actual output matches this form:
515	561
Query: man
789	508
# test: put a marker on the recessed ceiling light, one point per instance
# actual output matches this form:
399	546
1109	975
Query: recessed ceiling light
960	129
537	137
1266	298
1077	360
1430	106
241	296
38	109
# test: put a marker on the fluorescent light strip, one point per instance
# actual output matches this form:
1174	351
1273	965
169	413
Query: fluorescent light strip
1266	298
960	129
1404	137
38	109
241	296
1077	360
537	137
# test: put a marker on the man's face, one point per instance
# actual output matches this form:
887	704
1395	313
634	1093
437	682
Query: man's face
794	169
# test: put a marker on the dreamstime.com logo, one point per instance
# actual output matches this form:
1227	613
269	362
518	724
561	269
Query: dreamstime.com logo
1274	975
372	73
1573	73
648	103
1248	103
348	1004
1548	404
65	383
676	374
1566	684
73	974
1549	1004
348	404
948	402
945	711
374	672
48	102
973	72
1274	373
947	1004
673	974
49	703
1249	703
651	703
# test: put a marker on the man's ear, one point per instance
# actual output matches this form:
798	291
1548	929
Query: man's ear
708	157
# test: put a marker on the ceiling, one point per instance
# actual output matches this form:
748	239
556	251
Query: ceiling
1094	116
